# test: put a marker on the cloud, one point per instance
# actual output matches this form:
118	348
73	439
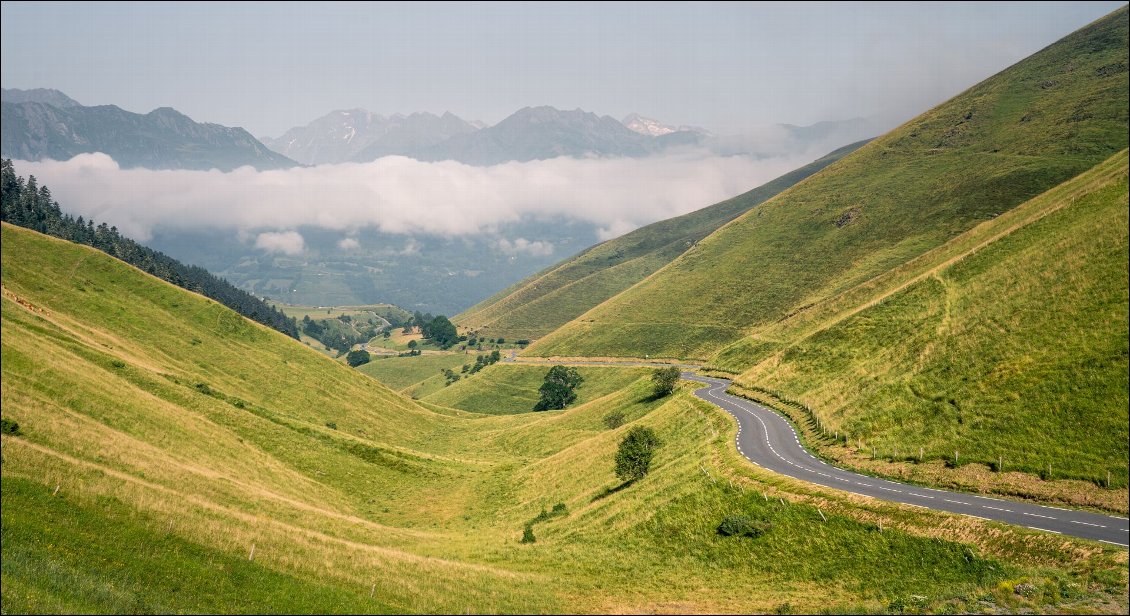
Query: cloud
288	242
402	195
536	248
349	243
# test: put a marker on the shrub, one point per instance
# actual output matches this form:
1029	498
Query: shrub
665	380
331	425
528	535
742	526
614	420
357	358
633	458
8	426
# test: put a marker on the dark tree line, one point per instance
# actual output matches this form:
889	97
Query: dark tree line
26	204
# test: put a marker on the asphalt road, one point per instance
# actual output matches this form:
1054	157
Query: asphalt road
769	441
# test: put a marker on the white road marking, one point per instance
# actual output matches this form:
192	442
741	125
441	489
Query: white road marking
1036	515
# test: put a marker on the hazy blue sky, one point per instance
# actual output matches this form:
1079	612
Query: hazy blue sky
726	67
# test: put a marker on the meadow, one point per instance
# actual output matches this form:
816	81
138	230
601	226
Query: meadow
173	456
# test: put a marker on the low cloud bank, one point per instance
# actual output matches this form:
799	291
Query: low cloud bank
403	196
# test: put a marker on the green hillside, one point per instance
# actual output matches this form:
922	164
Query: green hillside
1010	138
1007	344
172	456
545	301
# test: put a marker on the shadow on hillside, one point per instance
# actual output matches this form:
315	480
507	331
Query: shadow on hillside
606	492
653	397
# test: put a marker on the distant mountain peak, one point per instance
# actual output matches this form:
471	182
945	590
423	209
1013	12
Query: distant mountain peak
647	126
359	135
46	96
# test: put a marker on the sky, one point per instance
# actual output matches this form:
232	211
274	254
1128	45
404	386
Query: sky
727	67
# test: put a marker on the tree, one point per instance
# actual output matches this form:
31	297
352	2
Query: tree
357	358
633	458
664	380
412	344
441	331
558	390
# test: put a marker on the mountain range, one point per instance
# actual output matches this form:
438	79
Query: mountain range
41	124
356	135
537	133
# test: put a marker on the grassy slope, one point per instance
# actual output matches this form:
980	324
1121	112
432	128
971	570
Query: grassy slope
504	389
1004	141
545	301
1007	343
165	438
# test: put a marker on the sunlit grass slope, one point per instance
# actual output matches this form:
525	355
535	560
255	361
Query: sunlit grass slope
504	389
173	456
1015	135
547	300
1007	344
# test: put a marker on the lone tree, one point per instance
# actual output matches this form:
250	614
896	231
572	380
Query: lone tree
558	389
633	458
357	358
665	380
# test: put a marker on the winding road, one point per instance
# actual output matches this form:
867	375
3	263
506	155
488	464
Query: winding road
769	441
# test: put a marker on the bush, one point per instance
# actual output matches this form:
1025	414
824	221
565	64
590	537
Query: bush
633	458
614	420
528	535
558	510
742	526
331	425
664	380
357	358
8	426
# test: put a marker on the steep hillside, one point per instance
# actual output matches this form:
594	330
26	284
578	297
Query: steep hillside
1013	136
161	139
171	456
1008	345
549	299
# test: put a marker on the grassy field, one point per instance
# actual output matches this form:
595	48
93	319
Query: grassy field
173	456
1007	345
545	301
504	389
402	373
1006	140
387	311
